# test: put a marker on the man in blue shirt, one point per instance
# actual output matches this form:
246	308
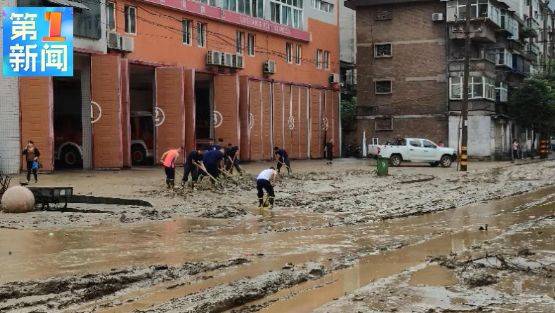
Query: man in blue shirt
213	162
282	159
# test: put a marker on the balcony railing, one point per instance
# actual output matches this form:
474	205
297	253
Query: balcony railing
532	49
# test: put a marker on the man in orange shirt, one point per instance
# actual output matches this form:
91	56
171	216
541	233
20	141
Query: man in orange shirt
168	160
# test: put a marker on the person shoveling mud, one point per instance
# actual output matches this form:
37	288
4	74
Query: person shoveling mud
232	160
212	163
264	182
168	160
192	167
282	159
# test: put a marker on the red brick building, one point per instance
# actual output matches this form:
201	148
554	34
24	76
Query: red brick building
176	73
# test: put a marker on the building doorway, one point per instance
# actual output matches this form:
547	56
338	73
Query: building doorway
204	108
68	122
141	96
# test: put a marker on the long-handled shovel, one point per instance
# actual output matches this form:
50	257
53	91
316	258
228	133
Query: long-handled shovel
287	166
203	168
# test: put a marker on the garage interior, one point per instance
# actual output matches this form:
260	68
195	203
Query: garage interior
204	108
141	94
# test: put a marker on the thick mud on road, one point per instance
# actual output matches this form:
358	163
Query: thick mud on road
327	246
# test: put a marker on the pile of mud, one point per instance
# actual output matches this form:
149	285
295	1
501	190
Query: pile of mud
62	293
224	297
512	272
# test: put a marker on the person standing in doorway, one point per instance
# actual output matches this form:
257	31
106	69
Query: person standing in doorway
328	151
515	149
32	154
282	159
265	181
168	160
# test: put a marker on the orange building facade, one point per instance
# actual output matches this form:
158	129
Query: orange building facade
182	73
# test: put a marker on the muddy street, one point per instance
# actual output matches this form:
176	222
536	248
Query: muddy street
340	239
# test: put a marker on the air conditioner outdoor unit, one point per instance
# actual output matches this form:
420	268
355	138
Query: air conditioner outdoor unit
114	41
214	58
269	67
127	43
437	17
227	59
238	61
333	78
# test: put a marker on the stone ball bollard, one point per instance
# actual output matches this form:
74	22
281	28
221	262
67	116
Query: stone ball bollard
18	199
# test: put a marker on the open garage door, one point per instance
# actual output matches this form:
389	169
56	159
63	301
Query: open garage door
36	100
226	109
170	109
107	123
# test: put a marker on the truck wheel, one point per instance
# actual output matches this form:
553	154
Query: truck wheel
395	160
446	161
70	157
138	155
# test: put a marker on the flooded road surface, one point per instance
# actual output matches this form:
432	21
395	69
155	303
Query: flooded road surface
386	247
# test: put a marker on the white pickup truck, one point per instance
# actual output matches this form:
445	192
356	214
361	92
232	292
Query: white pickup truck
414	150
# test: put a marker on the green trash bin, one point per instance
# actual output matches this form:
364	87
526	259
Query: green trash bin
382	166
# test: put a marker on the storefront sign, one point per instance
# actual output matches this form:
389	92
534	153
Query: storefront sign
226	16
37	41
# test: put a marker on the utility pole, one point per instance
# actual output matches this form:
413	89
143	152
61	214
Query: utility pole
463	163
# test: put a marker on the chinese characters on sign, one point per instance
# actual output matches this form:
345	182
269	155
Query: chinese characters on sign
37	41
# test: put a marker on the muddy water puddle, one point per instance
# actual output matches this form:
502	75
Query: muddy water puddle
39	254
313	294
433	275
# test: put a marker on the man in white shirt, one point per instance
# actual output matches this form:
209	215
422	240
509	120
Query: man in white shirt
264	182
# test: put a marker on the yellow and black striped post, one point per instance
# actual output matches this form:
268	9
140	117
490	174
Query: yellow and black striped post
463	160
544	152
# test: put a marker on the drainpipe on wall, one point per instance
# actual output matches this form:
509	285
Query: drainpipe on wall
447	53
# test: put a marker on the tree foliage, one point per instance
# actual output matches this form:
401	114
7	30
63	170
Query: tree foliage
348	113
532	105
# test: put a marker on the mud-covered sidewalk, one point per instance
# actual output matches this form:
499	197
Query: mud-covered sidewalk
340	239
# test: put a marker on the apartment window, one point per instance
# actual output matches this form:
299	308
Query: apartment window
490	91
326	60
230	5
130	19
288	52
383	87
201	34
504	57
502	92
111	16
257	8
249	7
382	50
186	24
322	5
455	88
479	87
287	12
319	58
478	8
298	54
384	15
383	123
209	2
250	44
239	42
